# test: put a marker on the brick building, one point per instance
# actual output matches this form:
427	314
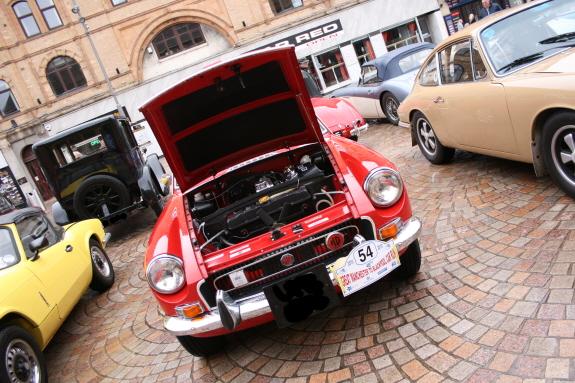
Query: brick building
50	79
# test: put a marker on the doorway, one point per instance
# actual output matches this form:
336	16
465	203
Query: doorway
33	166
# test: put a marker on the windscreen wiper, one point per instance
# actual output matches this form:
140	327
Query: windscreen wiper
563	37
521	61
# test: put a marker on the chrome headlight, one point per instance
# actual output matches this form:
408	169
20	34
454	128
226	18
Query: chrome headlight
383	186
165	274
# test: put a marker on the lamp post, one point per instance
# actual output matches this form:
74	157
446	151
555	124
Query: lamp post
82	20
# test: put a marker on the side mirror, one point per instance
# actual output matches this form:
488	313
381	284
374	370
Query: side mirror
37	245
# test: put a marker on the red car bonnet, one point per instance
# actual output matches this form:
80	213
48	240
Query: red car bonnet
335	113
232	112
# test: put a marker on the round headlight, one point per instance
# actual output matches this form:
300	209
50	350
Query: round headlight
383	186
166	274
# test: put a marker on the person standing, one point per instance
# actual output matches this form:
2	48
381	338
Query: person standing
488	8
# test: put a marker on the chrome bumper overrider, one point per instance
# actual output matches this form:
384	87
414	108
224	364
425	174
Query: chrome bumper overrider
359	129
230	314
404	124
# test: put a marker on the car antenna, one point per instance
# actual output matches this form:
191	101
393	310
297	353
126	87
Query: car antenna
236	68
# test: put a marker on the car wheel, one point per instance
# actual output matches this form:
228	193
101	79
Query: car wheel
99	196
389	105
428	142
558	150
410	261
21	359
102	269
202	346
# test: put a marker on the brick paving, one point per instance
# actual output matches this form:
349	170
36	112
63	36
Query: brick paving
492	303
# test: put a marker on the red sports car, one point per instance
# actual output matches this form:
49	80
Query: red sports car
274	219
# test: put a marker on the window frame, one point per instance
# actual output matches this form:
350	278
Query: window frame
11	95
177	36
285	10
121	2
20	18
42	10
68	67
431	58
57	234
464	40
14	247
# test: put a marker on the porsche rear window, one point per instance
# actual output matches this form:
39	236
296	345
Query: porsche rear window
261	82
8	254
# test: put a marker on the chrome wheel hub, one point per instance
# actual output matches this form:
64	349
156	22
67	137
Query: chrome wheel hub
391	108
100	261
563	152
426	136
22	363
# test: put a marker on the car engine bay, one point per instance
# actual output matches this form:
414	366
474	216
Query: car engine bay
261	198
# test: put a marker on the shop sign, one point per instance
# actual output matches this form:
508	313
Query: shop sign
311	36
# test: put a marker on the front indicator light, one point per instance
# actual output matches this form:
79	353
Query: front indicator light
191	310
390	230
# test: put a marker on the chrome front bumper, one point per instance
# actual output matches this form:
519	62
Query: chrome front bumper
359	129
404	124
230	314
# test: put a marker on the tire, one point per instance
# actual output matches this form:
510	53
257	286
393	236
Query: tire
97	191
102	270
410	261
20	357
202	347
428	142
558	149
389	105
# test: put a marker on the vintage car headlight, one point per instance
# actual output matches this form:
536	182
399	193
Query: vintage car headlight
165	274
383	186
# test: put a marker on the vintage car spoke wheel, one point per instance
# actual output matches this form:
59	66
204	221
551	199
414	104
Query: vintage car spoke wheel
559	150
428	143
389	106
102	270
99	196
20	357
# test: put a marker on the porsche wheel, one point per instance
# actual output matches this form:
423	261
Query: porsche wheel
558	148
102	270
21	359
389	105
202	347
428	142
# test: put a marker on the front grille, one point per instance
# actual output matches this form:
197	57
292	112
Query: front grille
267	269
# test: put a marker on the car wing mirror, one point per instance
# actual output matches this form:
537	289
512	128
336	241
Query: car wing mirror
36	245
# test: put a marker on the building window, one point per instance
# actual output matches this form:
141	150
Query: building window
49	12
332	68
26	18
64	75
400	36
8	104
363	50
280	6
178	38
118	2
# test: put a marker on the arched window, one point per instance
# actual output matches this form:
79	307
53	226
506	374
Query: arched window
64	74
177	38
26	18
8	104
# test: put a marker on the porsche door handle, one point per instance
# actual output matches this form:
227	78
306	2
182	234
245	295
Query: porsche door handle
69	248
438	100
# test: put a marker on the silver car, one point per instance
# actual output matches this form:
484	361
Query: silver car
385	82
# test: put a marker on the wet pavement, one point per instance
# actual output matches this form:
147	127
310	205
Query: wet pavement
493	301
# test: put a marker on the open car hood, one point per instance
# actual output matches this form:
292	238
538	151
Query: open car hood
232	112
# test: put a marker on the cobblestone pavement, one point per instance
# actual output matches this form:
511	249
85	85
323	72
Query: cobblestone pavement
492	303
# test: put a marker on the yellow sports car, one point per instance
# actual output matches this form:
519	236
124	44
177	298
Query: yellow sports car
504	87
44	270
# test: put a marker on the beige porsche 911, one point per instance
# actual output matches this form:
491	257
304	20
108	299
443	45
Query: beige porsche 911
504	87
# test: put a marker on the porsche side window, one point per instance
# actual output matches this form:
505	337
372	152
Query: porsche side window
479	70
429	74
369	75
455	63
33	227
8	254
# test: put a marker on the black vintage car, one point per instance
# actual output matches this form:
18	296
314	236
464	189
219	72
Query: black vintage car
96	170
